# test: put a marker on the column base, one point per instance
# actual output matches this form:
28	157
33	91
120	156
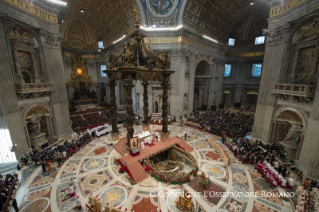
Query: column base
115	136
164	136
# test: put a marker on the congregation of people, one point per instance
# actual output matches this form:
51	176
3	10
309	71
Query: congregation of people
7	185
54	154
95	119
223	123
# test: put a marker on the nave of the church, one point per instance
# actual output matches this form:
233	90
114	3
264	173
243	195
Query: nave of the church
159	105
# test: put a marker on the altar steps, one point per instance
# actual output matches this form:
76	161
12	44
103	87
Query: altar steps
137	171
120	146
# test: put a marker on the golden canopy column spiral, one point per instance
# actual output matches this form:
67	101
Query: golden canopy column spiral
112	84
145	101
165	85
128	85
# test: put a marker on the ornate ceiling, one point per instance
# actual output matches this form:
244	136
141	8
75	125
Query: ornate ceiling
217	18
110	19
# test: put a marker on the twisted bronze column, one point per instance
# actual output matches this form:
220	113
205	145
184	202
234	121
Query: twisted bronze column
165	86
112	85
145	101
128	85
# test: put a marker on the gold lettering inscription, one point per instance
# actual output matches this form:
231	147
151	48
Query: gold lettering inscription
34	10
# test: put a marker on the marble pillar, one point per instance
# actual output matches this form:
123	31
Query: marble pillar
274	54
10	116
53	65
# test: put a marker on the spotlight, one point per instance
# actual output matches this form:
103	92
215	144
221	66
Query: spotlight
211	39
252	3
82	11
58	2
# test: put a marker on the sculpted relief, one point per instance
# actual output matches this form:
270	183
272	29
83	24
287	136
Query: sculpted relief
293	136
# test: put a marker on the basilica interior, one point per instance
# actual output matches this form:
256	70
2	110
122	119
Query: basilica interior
159	105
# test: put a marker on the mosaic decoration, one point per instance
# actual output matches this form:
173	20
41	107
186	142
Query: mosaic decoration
171	203
232	204
261	207
26	173
214	170
237	169
201	145
240	187
117	191
272	198
115	195
263	184
143	204
42	181
67	175
36	195
240	177
47	173
93	164
162	13
64	185
36	205
93	182
69	168
70	203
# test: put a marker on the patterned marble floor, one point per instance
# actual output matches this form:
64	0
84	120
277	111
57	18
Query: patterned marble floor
98	174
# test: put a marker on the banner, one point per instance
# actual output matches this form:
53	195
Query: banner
34	10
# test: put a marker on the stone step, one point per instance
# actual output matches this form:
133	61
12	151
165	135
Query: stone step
8	168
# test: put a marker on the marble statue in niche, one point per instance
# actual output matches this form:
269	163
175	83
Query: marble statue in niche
293	136
34	125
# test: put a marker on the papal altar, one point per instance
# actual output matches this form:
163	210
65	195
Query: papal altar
156	118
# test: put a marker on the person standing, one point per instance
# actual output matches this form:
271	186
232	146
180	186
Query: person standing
15	205
49	166
71	190
43	167
78	203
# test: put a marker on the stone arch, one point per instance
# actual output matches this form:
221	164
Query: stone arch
203	67
299	25
27	28
26	110
303	116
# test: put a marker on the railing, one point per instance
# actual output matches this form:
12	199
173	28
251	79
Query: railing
33	87
295	89
297	81
13	187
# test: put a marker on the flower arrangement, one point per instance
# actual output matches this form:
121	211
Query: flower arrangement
195	173
122	169
147	168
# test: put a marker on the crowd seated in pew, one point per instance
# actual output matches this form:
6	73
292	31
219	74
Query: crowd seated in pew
58	153
8	188
233	125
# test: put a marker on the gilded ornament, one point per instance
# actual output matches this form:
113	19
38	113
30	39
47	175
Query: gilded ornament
80	73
